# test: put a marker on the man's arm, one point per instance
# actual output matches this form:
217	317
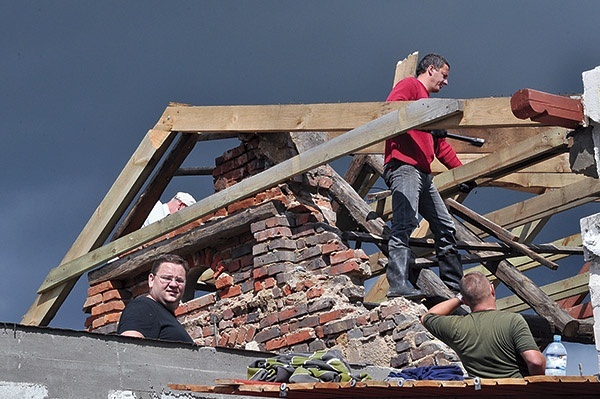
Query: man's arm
536	362
132	333
444	308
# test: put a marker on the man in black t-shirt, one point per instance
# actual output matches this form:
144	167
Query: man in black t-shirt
152	315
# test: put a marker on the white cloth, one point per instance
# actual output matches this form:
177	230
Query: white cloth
159	211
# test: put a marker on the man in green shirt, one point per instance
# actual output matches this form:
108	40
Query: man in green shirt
490	343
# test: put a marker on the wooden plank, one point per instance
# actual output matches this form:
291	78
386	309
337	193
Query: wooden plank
495	138
195	239
103	221
491	112
521	285
558	290
409	116
547	204
154	189
406	67
497	231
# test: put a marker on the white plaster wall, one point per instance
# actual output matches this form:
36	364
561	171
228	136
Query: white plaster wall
590	235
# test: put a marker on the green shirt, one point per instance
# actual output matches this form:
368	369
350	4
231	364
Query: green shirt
489	343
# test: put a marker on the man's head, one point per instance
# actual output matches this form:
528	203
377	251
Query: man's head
477	291
433	71
167	280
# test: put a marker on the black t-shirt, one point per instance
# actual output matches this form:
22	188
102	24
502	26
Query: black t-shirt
153	320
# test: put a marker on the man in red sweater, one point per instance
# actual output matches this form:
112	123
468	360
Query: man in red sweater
407	172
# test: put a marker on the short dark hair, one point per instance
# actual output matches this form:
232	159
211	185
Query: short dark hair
169	258
431	59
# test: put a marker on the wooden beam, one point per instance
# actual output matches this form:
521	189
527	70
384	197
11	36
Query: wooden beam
558	290
492	112
406	67
102	222
154	189
547	204
497	231
494	138
194	240
409	116
521	285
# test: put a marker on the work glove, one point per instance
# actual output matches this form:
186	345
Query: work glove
439	133
466	187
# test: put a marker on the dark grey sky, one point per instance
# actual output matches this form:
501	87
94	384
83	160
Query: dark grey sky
82	82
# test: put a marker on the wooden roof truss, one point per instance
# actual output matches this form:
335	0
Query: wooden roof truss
520	154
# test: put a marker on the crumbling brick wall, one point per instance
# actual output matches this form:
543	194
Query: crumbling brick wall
290	283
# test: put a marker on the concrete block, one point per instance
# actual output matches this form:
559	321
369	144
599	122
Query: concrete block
591	94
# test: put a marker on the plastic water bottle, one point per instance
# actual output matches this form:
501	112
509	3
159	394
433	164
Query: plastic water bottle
556	358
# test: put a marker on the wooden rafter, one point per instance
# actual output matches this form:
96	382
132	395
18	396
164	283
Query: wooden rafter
102	222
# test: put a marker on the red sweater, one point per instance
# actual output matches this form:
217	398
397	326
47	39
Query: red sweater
416	147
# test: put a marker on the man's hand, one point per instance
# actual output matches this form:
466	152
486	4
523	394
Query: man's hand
466	187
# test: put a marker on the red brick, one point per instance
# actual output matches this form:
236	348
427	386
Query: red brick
327	317
284	328
230	292
92	301
341	256
300	336
227	314
240	320
241	336
390	311
250	333
287	290
112	306
232	338
272	233
241	205
294	311
314	293
346	267
320	331
260	272
269	282
99	322
223	339
207	331
116	294
89	321
200	302
276	343
223	281
269	320
112	318
181	309
104	286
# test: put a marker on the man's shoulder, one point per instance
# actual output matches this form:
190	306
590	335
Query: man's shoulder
407	89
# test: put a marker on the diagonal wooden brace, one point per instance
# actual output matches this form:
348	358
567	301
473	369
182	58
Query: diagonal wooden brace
497	231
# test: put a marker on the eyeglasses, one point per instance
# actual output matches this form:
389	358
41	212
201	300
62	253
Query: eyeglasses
169	279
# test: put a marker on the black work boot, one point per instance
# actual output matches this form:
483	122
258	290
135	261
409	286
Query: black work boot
451	271
396	272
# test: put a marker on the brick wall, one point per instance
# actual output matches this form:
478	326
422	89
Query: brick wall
289	283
